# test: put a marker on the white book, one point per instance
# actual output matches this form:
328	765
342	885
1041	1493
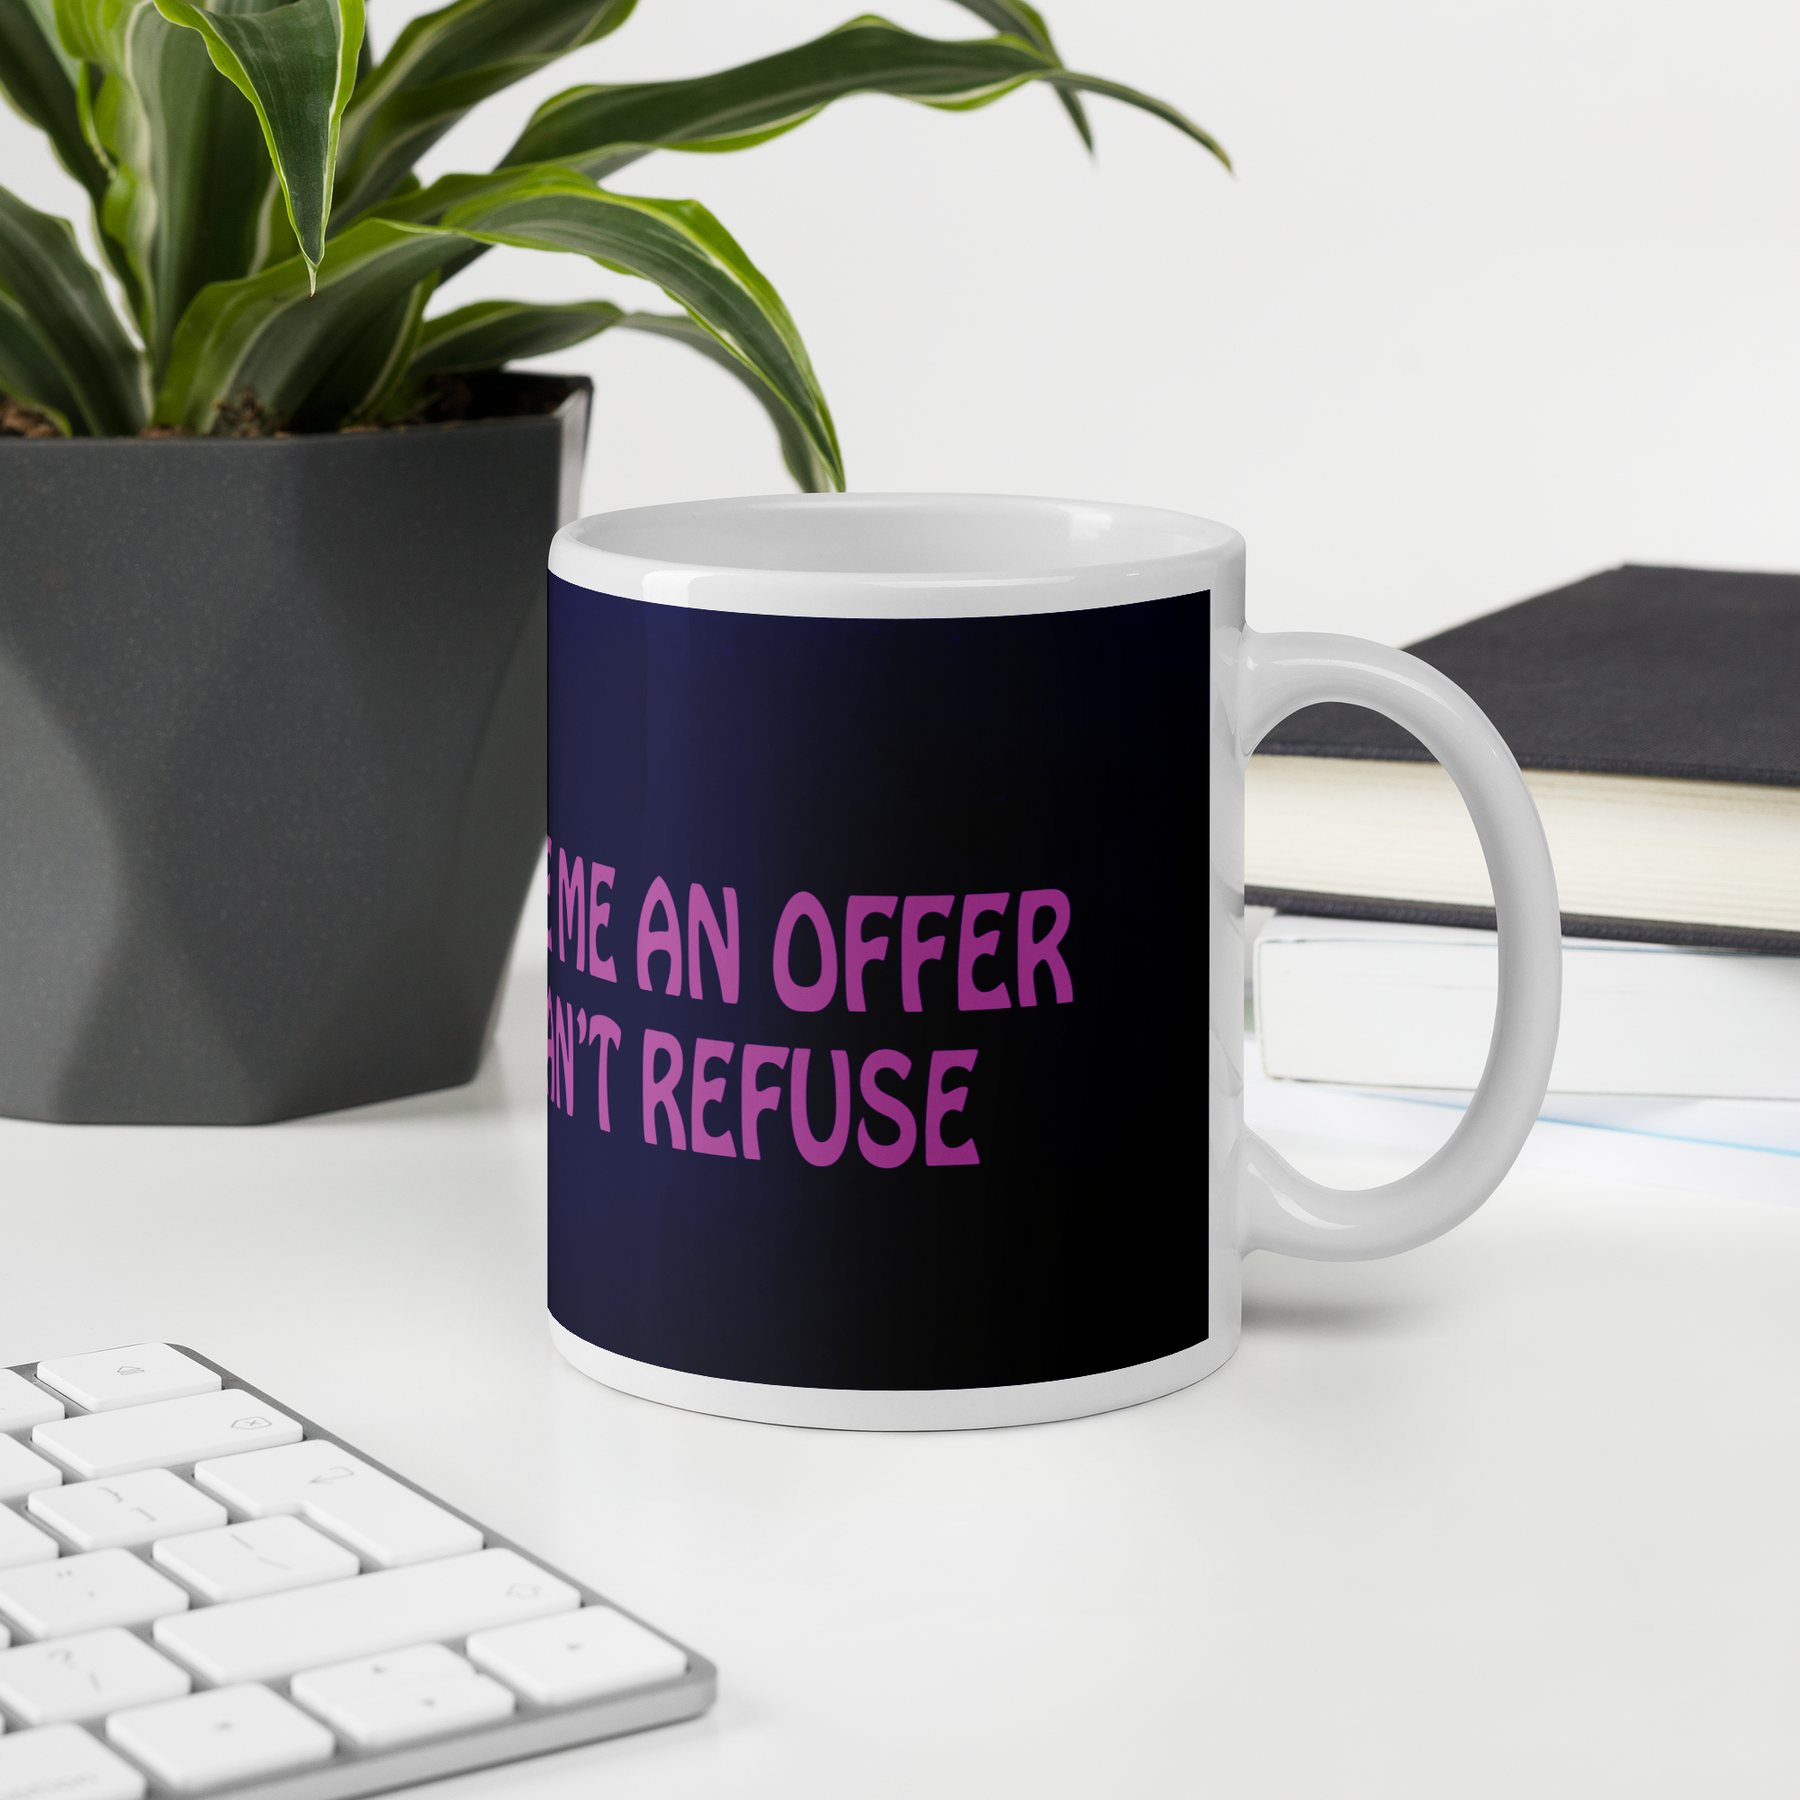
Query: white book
1711	855
1374	1004
1362	1136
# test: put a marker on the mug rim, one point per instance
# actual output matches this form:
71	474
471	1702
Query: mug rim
782	554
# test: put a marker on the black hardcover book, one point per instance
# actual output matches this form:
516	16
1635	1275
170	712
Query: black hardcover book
1656	713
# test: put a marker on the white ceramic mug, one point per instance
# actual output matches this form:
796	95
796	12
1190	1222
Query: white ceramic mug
872	1032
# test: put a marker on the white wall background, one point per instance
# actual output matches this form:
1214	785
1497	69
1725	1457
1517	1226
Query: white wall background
1497	296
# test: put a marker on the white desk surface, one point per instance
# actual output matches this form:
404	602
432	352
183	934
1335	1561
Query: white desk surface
1513	1514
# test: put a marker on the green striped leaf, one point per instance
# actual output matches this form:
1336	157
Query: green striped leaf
681	247
493	332
54	289
1069	81
374	368
30	373
37	77
45	85
263	339
600	129
810	470
270	342
296	65
192	198
1016	19
440	66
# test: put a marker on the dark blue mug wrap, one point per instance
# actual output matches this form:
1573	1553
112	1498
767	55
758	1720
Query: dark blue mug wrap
952	869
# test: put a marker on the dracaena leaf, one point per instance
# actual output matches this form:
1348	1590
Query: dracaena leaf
443	64
38	77
1068	81
769	357
681	247
30	372
270	341
271	347
493	332
600	129
1018	20
263	337
57	292
296	65
192	198
809	469
374	367
46	85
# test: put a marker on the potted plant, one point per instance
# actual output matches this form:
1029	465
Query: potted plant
271	617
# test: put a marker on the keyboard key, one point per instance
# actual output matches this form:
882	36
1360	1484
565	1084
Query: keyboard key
22	1405
264	1556
381	1712
281	1634
382	1720
165	1433
22	1472
380	1518
85	1593
578	1656
230	1734
132	1510
105	1380
81	1678
61	1762
21	1542
318	1689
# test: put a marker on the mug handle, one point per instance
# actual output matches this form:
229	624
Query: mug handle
1281	1209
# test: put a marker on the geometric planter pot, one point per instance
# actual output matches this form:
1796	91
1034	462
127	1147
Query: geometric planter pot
271	759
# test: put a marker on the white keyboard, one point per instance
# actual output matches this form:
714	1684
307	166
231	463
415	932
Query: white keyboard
201	1592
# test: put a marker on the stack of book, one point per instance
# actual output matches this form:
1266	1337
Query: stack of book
1656	715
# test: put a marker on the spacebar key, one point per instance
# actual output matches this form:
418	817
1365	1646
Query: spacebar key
305	1628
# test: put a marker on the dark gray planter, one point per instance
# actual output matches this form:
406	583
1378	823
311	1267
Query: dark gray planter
271	760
